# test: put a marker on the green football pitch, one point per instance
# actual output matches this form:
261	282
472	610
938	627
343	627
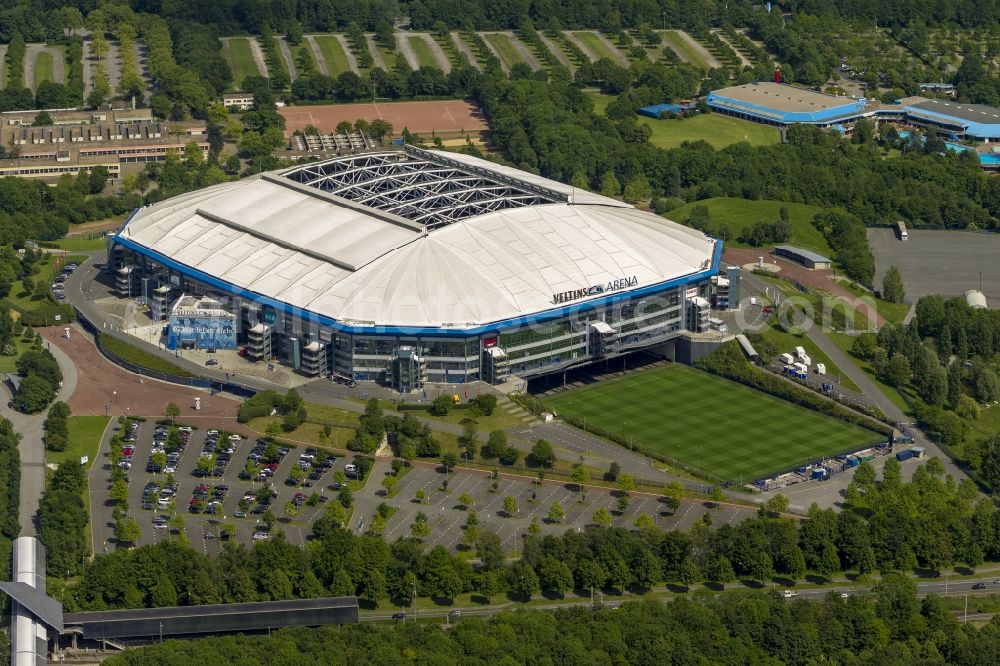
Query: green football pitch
710	423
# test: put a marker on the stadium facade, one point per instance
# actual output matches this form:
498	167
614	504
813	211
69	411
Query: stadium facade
409	266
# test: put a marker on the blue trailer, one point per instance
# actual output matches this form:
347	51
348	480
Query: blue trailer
904	455
820	473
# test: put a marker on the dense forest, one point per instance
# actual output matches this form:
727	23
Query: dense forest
889	626
551	128
945	360
886	525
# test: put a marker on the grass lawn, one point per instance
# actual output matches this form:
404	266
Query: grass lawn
423	51
85	434
9	363
43	68
597	47
845	342
333	54
307	432
716	129
504	47
81	243
787	342
389	57
142	358
50	266
739	214
238	54
894	313
682	48
711	423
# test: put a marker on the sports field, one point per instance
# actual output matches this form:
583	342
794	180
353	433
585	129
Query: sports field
333	54
238	54
740	214
447	118
711	423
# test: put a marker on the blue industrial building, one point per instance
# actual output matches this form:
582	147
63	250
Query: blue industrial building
781	105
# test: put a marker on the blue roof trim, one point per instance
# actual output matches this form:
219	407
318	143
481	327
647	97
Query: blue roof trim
976	129
494	327
846	111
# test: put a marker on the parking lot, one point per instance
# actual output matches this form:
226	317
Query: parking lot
446	516
208	489
939	262
212	488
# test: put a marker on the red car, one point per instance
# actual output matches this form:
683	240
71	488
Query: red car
128	450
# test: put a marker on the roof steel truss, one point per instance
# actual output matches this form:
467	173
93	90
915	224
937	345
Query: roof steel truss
418	189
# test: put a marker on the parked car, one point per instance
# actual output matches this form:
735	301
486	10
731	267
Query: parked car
979	586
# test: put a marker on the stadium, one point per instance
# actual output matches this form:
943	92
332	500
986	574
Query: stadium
780	104
409	266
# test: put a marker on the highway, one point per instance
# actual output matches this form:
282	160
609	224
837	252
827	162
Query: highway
938	586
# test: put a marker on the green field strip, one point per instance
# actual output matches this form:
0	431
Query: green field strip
43	68
504	48
425	56
333	54
681	47
592	42
239	55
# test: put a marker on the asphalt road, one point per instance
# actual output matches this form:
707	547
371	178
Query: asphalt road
32	447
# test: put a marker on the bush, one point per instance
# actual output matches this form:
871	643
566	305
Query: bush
33	395
57	427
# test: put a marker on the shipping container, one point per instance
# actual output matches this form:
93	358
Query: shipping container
819	473
904	455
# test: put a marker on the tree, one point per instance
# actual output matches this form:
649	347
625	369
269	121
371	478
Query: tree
489	583
420	496
610	187
33	394
716	496
556	513
533	526
127	530
623	504
163	594
776	505
449	461
486	403
602	517
644	522
625	483
172	411
614	469
543	454
898	371
510	505
42	119
523	580
637	189
892	286
580	476
466	500
673	493
720	570
554	575
420	529
495	445
489	550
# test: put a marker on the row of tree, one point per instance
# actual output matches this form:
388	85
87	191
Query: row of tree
62	521
886	525
891	625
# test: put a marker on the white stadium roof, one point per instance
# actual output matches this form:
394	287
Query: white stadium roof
416	239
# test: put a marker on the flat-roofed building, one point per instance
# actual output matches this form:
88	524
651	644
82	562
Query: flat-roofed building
781	104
